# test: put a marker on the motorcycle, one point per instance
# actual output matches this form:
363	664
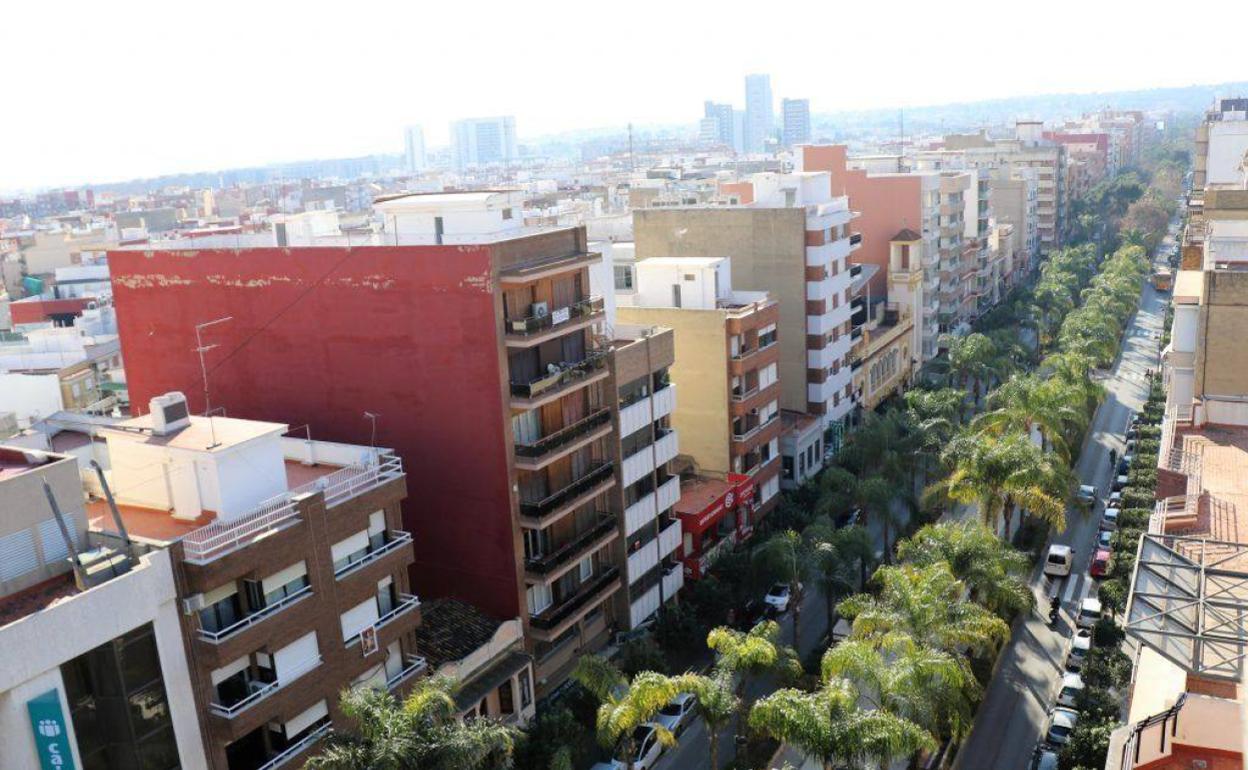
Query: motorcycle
1055	608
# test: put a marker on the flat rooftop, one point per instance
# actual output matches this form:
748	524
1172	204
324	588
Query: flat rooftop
699	492
801	421
1189	287
202	435
15	461
38	597
1223	463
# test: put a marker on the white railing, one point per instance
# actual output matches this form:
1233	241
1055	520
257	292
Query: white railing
214	540
669	538
415	664
269	611
668	494
283	679
398	538
296	748
639	513
406	603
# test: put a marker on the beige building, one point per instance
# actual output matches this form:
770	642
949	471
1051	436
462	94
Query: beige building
886	346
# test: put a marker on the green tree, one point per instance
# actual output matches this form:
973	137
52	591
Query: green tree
1024	403
624	704
751	654
423	731
972	361
829	726
785	558
831	561
717	704
994	572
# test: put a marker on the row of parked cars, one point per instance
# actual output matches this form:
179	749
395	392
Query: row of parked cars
674	717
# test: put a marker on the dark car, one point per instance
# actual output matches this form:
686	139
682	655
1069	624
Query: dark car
750	615
849	518
1124	465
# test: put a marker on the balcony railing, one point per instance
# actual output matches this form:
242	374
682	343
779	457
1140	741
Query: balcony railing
553	616
594	361
596	475
751	431
739	395
762	345
565	436
1161	723
215	540
536	324
216	637
296	748
398	539
415	664
265	690
547	563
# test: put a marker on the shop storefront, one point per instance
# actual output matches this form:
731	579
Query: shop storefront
716	515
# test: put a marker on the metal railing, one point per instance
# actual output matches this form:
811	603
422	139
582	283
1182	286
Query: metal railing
298	670
407	602
214	540
597	474
553	616
296	748
1169	717
398	538
763	344
855	239
415	664
216	637
547	563
565	436
536	324
566	373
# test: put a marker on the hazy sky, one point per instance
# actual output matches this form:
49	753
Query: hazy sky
108	91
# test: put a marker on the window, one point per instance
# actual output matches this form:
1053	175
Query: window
526	689
506	702
507	213
787	467
539	598
623	277
587	568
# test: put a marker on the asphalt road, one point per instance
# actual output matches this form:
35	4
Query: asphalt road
1012	718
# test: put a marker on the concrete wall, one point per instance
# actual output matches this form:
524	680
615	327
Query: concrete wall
1228	142
700	373
768	252
1222	358
29	396
24	508
319	336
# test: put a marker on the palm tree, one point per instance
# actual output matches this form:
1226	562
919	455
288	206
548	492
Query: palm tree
972	360
746	655
829	725
993	571
923	607
624	705
931	688
838	492
830	562
423	731
933	417
1074	370
785	557
876	495
996	473
1025	403
717	704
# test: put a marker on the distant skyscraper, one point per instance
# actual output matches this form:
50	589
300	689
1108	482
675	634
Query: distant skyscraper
760	119
796	116
721	114
414	148
483	141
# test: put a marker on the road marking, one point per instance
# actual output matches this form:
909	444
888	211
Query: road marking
1070	588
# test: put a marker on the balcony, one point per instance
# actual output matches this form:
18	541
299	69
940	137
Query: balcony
407	603
397	540
589	541
296	748
534	456
663	401
669	538
527	395
750	431
673	580
546	624
526	332
641	513
219	538
668	494
855	240
745	355
595	481
415	665
261	691
227	633
665	448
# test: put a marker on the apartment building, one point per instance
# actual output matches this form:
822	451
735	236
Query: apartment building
486	371
886	340
801	448
716	515
789	236
727	370
1013	198
86	631
477	142
648	490
795	117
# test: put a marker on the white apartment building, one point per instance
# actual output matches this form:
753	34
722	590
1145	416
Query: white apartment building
477	142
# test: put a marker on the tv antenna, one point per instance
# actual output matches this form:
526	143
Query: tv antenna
372	439
201	349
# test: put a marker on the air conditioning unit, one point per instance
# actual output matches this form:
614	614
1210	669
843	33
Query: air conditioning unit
170	413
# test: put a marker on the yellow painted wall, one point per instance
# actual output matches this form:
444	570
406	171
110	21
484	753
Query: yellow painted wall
701	377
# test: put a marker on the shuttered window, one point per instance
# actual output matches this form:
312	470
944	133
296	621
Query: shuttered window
17	555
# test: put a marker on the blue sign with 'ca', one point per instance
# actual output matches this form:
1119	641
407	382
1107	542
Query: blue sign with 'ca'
47	722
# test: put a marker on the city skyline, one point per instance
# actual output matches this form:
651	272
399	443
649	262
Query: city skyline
277	114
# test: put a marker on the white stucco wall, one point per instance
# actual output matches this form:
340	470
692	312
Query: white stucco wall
30	396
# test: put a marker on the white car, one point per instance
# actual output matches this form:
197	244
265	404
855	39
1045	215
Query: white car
778	597
1087	493
1089	613
1080	646
1062	723
678	713
1110	518
646	748
1059	560
1043	759
1072	685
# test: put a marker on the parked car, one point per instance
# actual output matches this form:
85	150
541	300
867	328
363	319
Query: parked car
1072	685
1104	539
1089	613
1059	561
1130	447
1077	652
1109	519
678	713
1120	481
750	615
778	597
646	747
1132	431
1114	500
1062	723
849	519
1100	563
1043	759
1122	467
1087	493
1128	458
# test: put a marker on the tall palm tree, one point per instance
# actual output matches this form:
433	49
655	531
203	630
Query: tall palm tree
972	360
829	726
747	655
423	731
624	705
1025	403
830	564
1074	370
876	495
923	607
933	416
993	571
934	689
786	558
717	704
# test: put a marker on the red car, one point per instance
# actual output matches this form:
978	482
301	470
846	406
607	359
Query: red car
1100	563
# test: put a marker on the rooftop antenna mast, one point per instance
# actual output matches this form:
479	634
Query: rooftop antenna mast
372	417
201	349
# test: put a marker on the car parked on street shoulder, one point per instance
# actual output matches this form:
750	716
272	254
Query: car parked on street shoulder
1104	539
1109	519
1068	691
1100	563
1062	723
1077	653
778	597
678	713
646	748
1043	759
1089	613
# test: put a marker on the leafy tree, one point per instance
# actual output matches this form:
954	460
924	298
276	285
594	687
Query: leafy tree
748	655
1025	403
625	704
1088	745
972	360
785	557
641	654
423	731
717	704
993	571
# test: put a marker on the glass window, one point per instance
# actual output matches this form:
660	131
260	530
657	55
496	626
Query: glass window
623	277
526	689
506	702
